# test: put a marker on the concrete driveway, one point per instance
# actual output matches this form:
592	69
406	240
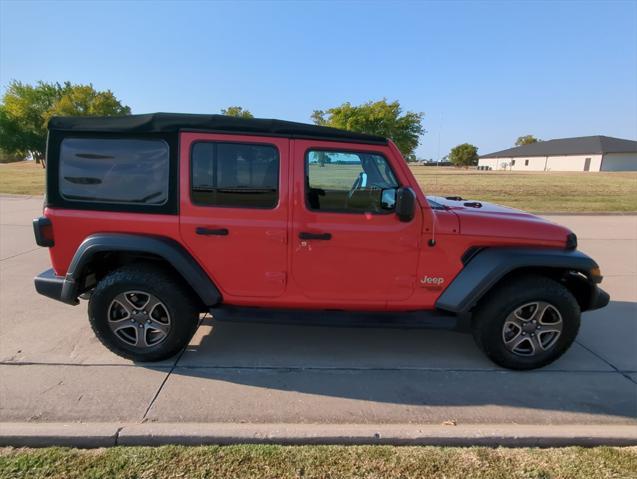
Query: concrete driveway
52	369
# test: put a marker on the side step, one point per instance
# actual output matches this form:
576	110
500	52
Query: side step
337	318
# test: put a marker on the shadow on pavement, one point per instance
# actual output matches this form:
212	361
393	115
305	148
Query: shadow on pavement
399	366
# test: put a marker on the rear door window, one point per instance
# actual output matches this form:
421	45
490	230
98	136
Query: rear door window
114	170
239	175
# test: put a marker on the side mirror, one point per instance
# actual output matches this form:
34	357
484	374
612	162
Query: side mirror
388	199
405	204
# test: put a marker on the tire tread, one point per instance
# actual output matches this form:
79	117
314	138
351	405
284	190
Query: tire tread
154	278
490	314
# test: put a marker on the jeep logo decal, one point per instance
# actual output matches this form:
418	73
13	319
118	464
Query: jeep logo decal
433	281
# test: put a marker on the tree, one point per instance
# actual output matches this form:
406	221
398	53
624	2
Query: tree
7	158
26	109
323	158
526	140
237	111
84	100
464	155
377	118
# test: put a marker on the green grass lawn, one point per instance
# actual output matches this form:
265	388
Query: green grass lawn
260	461
22	178
536	192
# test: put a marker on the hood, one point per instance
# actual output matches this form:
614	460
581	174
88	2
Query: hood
478	218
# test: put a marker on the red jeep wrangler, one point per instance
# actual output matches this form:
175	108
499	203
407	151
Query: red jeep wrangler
158	218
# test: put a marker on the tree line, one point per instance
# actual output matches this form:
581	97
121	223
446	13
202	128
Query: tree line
26	109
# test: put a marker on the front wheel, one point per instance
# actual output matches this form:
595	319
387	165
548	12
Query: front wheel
141	313
526	324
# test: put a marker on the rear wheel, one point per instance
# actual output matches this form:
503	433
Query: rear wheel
527	323
141	313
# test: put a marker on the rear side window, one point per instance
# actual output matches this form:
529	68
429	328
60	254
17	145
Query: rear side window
113	170
235	175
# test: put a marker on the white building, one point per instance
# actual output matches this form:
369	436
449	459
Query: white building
586	153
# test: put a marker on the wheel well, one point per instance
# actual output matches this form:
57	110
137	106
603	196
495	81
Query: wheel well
104	262
576	282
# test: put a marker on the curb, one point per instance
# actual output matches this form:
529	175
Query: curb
86	435
91	435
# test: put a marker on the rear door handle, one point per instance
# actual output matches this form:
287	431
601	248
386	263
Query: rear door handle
202	230
315	236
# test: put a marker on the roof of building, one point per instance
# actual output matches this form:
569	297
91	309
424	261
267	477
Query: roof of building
172	122
582	145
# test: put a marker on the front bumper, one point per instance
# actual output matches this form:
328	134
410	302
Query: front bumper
599	298
55	287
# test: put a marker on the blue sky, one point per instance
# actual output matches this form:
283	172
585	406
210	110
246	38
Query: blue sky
482	72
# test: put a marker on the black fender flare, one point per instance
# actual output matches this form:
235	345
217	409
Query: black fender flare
490	265
166	248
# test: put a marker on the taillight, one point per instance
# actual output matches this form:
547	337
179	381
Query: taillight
43	231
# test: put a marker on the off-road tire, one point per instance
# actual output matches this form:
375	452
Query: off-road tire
492	312
177	298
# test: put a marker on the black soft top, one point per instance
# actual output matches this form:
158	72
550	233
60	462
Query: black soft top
173	122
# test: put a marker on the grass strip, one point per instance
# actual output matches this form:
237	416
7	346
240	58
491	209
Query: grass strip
546	192
271	461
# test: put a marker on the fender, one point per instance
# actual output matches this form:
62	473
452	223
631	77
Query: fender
165	248
490	265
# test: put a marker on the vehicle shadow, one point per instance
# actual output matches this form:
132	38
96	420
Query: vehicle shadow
403	366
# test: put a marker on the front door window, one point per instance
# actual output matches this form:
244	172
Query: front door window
349	182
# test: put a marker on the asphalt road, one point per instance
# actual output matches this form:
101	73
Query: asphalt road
52	369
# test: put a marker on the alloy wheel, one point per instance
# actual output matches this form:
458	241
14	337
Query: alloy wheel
139	319
532	328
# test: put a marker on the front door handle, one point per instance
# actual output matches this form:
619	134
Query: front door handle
315	236
202	230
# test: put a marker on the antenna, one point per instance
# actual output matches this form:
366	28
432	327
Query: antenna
432	240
